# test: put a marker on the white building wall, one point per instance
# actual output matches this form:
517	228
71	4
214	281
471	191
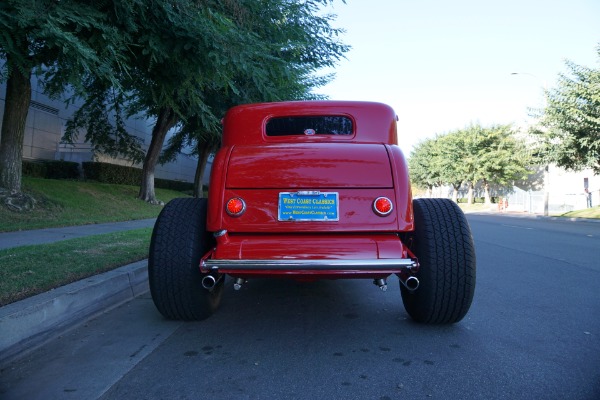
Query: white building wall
566	189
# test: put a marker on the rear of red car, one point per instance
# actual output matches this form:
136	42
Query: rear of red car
323	194
311	190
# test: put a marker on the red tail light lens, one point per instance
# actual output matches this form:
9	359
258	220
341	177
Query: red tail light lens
235	207
383	206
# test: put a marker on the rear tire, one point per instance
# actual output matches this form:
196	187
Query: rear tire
443	244
179	240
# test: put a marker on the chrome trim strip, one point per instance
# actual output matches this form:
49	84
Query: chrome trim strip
311	264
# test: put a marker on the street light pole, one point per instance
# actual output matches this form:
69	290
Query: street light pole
546	171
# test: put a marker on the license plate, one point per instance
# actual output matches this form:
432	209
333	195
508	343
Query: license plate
308	206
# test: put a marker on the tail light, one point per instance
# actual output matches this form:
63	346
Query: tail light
235	207
383	206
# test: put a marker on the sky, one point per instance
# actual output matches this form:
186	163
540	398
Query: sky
443	65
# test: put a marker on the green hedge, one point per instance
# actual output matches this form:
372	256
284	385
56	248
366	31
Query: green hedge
111	173
51	169
180	186
97	171
123	175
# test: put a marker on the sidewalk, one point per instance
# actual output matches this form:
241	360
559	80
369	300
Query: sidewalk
51	235
29	323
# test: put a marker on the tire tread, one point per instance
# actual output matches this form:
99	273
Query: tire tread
444	247
179	240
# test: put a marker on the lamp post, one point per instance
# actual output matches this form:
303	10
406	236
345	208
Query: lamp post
546	172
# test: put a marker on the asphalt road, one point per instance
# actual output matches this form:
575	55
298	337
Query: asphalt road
533	332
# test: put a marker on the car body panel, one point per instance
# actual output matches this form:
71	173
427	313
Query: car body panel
318	165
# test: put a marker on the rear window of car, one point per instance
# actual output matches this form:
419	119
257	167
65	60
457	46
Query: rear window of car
312	125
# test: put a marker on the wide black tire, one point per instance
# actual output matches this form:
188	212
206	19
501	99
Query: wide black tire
443	244
179	241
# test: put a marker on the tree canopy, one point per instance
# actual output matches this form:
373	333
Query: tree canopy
423	164
299	42
492	156
176	62
569	127
188	64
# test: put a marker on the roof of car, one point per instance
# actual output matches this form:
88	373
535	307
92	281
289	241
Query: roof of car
373	122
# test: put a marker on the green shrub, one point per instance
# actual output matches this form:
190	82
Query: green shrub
34	169
112	173
51	169
179	186
124	175
62	170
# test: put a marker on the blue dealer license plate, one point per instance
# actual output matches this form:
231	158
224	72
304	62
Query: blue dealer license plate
308	206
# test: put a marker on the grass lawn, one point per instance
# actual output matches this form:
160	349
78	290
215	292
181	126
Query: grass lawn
29	270
593	212
477	207
68	203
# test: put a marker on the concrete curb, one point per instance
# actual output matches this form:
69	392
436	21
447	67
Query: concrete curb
28	324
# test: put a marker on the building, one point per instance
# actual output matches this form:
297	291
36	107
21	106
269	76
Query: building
46	122
566	192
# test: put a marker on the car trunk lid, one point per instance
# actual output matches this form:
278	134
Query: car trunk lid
309	166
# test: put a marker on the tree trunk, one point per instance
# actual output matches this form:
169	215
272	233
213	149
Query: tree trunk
455	193
486	191
166	120
202	160
470	193
18	97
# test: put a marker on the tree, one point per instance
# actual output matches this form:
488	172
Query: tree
569	128
185	55
493	156
193	136
472	146
451	164
61	41
288	42
504	159
295	31
423	165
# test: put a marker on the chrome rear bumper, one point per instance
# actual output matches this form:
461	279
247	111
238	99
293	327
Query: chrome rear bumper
392	265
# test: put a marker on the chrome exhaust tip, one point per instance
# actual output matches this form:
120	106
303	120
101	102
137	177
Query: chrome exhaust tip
411	283
209	282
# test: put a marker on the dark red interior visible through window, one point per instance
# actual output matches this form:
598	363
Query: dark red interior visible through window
309	125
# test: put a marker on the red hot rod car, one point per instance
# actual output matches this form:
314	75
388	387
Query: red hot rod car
311	190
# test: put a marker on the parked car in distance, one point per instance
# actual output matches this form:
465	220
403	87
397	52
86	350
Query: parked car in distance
312	190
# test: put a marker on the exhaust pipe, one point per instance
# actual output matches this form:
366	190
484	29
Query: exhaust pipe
209	282
237	285
381	283
411	283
